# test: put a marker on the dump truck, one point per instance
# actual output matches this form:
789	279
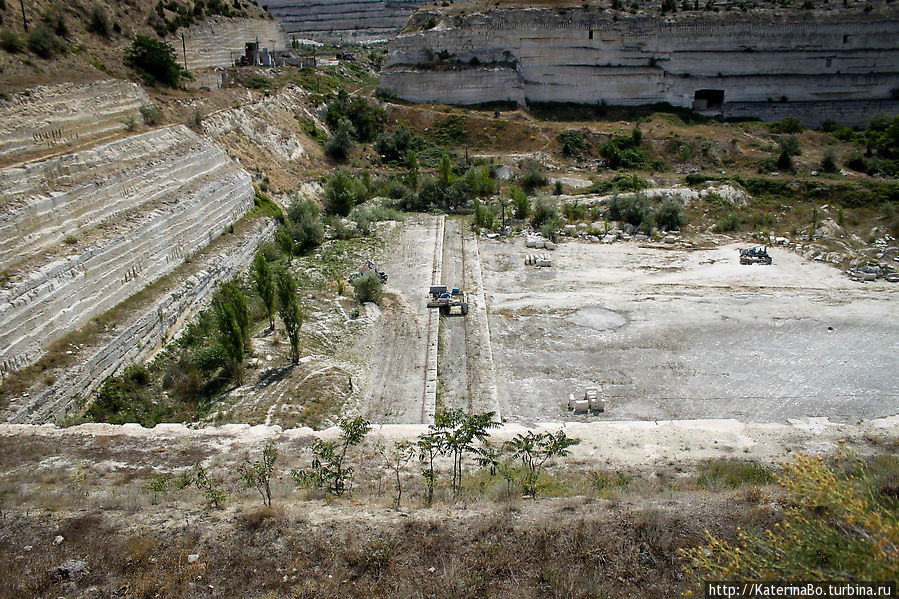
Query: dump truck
370	267
755	256
446	299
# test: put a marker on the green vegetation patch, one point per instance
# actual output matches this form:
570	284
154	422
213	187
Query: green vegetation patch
732	473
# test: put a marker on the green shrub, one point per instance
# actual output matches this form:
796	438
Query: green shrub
450	131
632	209
573	144
366	119
343	192
532	175
521	204
483	216
619	183
729	223
10	42
151	114
835	526
340	144
154	60
829	162
480	181
368	288
624	152
547	219
257	82
393	147
731	473
304	225
670	215
127	398
788	125
44	42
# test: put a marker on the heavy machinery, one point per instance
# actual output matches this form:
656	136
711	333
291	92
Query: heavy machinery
370	267
447	299
755	256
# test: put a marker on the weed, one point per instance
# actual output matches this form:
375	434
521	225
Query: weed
731	473
151	114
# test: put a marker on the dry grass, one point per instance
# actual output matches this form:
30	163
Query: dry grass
608	534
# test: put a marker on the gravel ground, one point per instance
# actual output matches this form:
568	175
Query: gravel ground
671	333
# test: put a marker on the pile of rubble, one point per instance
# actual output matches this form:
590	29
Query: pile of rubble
873	271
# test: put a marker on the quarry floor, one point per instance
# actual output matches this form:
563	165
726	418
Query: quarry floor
667	332
674	333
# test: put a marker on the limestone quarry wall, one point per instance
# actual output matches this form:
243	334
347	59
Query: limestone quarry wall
146	333
57	115
587	57
82	232
342	20
268	124
217	42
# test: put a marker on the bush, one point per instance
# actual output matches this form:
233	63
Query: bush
789	147
670	215
154	60
829	162
480	181
521	204
151	114
367	120
343	192
304	225
624	152
545	211
619	183
632	209
573	143
730	473
393	147
340	144
45	43
532	176
450	131
127	398
98	22
836	526
729	223
257	82
10	42
483	217
368	288
789	125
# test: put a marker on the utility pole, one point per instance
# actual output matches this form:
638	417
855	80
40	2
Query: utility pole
24	20
184	50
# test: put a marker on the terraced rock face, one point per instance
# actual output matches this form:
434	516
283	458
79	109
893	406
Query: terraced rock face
218	41
55	116
146	332
813	66
82	232
267	125
341	20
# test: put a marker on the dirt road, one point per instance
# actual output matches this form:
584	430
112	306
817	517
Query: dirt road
396	347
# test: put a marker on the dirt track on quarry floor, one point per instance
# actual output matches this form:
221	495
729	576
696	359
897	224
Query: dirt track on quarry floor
677	334
397	345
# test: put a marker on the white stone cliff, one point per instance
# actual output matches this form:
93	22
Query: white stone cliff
810	65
